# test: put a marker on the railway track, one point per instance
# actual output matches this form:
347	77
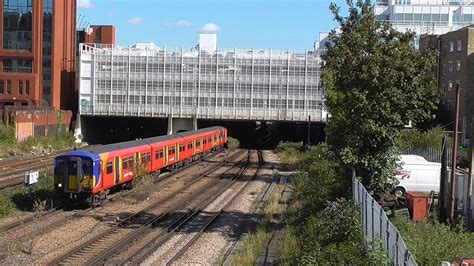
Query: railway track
97	249
60	205
198	220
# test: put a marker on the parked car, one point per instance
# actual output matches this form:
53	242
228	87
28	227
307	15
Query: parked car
417	175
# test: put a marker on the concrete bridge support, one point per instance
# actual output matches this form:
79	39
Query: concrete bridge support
176	125
78	130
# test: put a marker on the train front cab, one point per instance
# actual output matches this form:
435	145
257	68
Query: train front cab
76	174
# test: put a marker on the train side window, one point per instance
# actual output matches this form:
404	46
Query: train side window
204	141
198	143
190	145
127	163
182	147
110	167
146	157
159	154
171	151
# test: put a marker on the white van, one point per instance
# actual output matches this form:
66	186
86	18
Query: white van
417	175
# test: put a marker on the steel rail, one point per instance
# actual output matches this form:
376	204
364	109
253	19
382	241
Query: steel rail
193	240
76	252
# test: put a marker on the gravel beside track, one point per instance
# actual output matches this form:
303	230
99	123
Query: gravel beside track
79	226
212	246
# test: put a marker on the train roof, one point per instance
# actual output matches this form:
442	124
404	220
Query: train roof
147	141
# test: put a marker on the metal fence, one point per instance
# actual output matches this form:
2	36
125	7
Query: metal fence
430	154
376	225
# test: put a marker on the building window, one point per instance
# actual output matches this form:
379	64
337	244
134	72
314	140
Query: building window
444	69
459	45
450	66
20	87
17	65
9	86
47	49
450	85
2	86
451	46
27	87
458	65
448	104
444	87
17	24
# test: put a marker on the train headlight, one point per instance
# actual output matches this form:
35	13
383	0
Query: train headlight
60	185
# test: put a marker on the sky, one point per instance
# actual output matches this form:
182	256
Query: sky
263	24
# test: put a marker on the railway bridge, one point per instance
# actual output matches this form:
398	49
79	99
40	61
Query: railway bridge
184	85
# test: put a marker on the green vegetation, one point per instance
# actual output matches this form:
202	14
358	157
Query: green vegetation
412	138
322	226
255	241
431	242
25	199
10	147
375	82
233	143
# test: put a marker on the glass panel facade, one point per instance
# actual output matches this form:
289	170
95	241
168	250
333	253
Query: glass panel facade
17	65
47	48
17	24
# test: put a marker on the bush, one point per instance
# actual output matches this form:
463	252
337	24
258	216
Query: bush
412	138
24	199
233	143
431	242
7	134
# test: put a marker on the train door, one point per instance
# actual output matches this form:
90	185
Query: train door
117	170
165	162
68	172
177	146
137	160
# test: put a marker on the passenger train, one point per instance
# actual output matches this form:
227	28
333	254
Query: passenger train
89	175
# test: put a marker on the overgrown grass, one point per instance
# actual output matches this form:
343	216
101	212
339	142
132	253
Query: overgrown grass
23	199
255	241
322	227
431	242
10	147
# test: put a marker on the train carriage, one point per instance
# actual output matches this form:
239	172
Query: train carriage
91	174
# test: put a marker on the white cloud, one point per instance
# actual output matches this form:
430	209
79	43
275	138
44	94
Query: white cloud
210	28
110	14
135	21
85	4
179	24
183	24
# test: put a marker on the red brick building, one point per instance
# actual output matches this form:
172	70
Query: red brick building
37	53
100	34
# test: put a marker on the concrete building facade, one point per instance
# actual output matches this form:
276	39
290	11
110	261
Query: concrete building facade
434	17
37	53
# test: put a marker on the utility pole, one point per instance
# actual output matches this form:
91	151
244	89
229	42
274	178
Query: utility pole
443	184
455	155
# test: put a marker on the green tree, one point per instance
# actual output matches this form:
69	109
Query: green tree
375	82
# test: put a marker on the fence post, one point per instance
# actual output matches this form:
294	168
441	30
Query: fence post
372	218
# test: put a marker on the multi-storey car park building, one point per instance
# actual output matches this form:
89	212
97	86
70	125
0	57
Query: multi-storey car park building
144	80
433	17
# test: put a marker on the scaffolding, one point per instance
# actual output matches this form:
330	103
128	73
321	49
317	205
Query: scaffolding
144	80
